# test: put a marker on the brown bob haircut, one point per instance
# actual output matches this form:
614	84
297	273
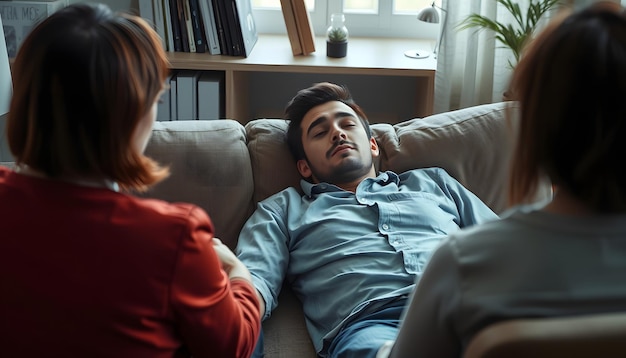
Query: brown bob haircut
313	96
571	85
84	77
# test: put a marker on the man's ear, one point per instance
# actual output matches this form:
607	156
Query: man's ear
303	168
374	147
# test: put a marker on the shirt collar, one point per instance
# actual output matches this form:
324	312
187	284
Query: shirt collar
311	189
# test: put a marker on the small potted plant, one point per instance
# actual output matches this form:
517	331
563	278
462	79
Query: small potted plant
337	37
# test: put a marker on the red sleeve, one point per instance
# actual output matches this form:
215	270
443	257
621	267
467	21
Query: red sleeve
216	318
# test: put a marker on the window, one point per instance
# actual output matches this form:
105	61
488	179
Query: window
376	18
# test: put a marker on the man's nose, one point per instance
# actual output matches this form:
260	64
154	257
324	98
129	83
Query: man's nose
338	134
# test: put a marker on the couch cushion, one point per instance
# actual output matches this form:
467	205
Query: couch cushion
473	145
273	166
210	167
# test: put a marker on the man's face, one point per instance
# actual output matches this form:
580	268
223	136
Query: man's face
337	148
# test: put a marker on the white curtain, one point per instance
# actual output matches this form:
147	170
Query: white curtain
472	68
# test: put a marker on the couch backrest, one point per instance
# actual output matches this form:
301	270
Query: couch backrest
226	168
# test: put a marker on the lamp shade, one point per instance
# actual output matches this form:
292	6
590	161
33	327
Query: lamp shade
6	87
429	15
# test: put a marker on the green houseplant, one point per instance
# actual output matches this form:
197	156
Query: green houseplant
513	35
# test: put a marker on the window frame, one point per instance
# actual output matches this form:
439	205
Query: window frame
383	24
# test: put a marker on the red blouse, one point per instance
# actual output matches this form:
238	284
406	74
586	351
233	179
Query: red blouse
89	272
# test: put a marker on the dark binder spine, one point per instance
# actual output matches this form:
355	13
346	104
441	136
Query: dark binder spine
222	20
178	42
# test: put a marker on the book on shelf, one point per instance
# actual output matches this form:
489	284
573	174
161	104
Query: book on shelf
210	92
292	29
225	27
210	29
246	25
167	19
175	25
20	16
159	21
221	17
305	26
221	27
197	26
146	12
189	26
232	19
182	25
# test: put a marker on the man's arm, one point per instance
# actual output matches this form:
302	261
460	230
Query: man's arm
263	248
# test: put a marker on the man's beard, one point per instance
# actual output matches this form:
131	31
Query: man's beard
348	171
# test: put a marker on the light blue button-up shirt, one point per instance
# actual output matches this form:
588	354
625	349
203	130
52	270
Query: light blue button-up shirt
345	253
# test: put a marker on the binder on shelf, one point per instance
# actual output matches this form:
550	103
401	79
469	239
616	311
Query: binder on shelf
186	94
210	29
292	29
305	27
163	107
210	95
19	17
173	94
246	25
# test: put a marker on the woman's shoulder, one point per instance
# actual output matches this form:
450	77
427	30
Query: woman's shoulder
164	211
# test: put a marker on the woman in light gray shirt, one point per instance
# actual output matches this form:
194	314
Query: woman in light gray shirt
563	258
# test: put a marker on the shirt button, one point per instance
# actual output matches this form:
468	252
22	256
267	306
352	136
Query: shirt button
385	227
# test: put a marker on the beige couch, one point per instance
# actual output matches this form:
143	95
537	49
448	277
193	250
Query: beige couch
226	168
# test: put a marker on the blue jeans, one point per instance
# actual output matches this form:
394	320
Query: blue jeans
363	337
259	349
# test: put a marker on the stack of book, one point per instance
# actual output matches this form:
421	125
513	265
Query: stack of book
20	16
299	27
219	27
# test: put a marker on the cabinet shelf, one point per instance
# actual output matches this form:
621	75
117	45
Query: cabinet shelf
388	85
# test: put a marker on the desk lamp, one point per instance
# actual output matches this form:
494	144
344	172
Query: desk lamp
429	15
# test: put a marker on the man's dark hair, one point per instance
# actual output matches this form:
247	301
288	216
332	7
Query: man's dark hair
308	98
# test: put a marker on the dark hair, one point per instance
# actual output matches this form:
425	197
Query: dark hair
571	85
84	77
313	96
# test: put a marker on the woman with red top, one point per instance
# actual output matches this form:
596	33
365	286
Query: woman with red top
86	269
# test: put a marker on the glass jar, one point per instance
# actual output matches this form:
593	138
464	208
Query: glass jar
337	31
337	36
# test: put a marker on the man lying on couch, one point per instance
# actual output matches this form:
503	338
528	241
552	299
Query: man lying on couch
353	244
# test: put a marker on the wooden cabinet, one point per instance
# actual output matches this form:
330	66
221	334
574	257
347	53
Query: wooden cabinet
388	85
